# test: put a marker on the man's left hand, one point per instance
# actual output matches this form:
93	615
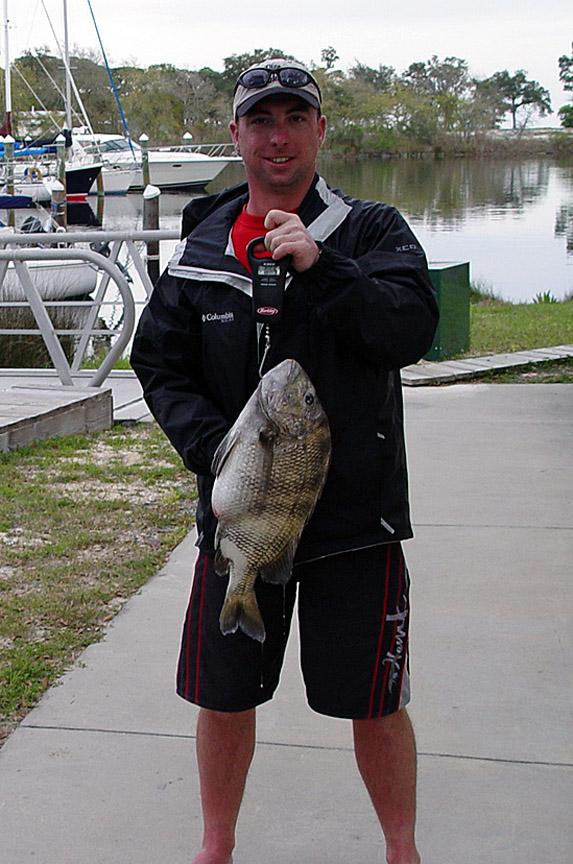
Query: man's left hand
288	236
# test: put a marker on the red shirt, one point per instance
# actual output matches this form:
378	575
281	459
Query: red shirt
245	229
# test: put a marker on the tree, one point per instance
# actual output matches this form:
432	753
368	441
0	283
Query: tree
328	56
517	92
439	88
566	78
566	70
379	80
438	77
566	116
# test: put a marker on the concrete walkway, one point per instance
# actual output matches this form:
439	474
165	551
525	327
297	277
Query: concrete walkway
103	771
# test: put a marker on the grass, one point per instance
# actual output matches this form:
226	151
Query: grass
498	326
559	372
84	522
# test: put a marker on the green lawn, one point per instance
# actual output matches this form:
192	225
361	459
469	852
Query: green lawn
499	327
84	522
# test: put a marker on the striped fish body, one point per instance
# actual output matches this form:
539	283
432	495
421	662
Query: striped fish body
269	472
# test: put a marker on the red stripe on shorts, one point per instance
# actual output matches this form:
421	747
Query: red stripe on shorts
381	633
394	636
198	585
200	625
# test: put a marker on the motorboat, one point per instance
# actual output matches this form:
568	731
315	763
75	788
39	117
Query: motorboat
117	179
54	280
169	168
36	179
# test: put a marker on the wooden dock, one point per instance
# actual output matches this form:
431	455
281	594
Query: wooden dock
34	405
428	373
29	413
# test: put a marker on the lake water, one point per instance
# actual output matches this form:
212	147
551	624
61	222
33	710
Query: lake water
513	221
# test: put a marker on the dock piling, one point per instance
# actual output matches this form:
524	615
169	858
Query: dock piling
58	209
9	157
151	195
144	142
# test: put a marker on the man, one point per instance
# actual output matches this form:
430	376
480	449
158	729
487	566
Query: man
358	307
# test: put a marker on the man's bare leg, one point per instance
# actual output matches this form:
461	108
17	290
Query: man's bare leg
225	747
385	751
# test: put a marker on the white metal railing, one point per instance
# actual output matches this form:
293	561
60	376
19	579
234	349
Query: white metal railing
226	150
57	246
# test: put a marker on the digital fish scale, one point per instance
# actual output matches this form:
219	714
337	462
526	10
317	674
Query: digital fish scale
269	279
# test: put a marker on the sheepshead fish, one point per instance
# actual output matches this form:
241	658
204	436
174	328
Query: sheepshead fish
269	472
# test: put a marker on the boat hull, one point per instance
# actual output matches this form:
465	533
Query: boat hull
181	173
55	280
39	186
117	179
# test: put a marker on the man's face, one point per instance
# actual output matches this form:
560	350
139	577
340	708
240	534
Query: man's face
279	139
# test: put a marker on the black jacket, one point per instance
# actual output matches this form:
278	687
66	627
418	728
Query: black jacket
363	311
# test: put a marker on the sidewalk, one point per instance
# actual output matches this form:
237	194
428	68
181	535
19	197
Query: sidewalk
103	771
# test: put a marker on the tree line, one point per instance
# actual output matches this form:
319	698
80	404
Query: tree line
433	104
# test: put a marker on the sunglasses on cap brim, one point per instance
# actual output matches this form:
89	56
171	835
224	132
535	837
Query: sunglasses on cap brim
287	76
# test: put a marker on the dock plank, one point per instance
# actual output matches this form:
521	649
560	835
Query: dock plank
448	371
29	414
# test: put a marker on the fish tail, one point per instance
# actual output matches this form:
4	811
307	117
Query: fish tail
242	611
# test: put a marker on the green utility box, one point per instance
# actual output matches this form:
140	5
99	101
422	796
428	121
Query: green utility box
452	284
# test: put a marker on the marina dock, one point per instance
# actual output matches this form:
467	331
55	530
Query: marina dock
34	405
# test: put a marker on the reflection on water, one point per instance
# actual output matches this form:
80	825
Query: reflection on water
445	194
513	221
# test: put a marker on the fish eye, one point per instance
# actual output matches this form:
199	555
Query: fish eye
309	399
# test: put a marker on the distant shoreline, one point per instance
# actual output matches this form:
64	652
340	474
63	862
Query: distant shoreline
495	144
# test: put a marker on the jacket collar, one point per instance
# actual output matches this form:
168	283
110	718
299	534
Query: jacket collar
207	253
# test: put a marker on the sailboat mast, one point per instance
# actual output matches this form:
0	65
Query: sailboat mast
67	65
7	128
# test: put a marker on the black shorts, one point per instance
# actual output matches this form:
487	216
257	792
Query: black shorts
353	618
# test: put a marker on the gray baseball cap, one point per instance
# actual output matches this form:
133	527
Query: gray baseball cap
274	77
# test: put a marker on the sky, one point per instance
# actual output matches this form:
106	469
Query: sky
491	35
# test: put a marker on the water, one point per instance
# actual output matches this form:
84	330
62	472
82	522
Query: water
513	221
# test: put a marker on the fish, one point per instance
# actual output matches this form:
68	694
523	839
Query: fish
270	470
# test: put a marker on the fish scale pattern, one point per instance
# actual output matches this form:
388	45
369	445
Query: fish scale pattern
271	469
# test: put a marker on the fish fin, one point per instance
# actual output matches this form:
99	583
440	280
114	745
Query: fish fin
278	572
242	611
220	563
268	434
224	449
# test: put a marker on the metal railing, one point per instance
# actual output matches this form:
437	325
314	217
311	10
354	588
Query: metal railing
226	150
23	248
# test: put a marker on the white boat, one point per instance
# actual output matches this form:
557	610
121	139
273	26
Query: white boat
117	179
36	188
176	168
37	179
55	280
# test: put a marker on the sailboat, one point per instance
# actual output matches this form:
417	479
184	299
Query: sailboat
55	280
34	168
169	167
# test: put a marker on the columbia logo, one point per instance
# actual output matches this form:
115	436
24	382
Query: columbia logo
221	317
